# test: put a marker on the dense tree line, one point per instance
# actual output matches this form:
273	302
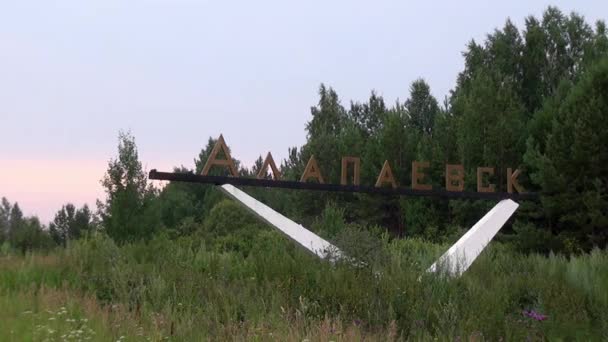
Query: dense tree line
27	233
534	98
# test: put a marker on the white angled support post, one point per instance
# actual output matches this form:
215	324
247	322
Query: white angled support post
296	232
454	262
462	254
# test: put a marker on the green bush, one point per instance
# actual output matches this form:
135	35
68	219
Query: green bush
229	227
96	260
529	239
227	217
362	244
331	222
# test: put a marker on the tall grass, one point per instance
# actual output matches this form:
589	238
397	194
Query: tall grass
186	289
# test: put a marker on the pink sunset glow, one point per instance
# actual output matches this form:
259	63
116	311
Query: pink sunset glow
41	187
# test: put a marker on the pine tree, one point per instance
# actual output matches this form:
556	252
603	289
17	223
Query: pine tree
422	107
573	170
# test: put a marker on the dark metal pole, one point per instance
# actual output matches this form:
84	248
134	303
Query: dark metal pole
242	181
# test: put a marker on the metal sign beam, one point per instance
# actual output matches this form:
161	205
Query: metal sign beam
267	183
455	261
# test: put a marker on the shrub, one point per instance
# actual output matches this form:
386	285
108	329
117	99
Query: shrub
331	222
529	239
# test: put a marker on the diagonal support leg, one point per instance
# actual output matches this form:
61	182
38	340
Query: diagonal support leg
464	252
296	232
455	261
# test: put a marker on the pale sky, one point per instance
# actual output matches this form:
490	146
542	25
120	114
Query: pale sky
174	72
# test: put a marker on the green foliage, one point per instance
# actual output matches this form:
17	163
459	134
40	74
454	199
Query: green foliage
95	259
229	227
21	233
533	91
215	272
573	167
5	214
331	222
5	248
491	125
363	244
16	221
71	223
204	294
422	107
419	215
130	211
226	217
28	236
530	238
369	117
53	315
504	106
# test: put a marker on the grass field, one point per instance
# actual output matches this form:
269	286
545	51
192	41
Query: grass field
186	290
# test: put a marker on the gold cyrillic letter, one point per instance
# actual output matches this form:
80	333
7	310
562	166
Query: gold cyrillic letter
418	176
356	170
312	171
386	175
512	181
276	175
454	177
220	144
480	172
